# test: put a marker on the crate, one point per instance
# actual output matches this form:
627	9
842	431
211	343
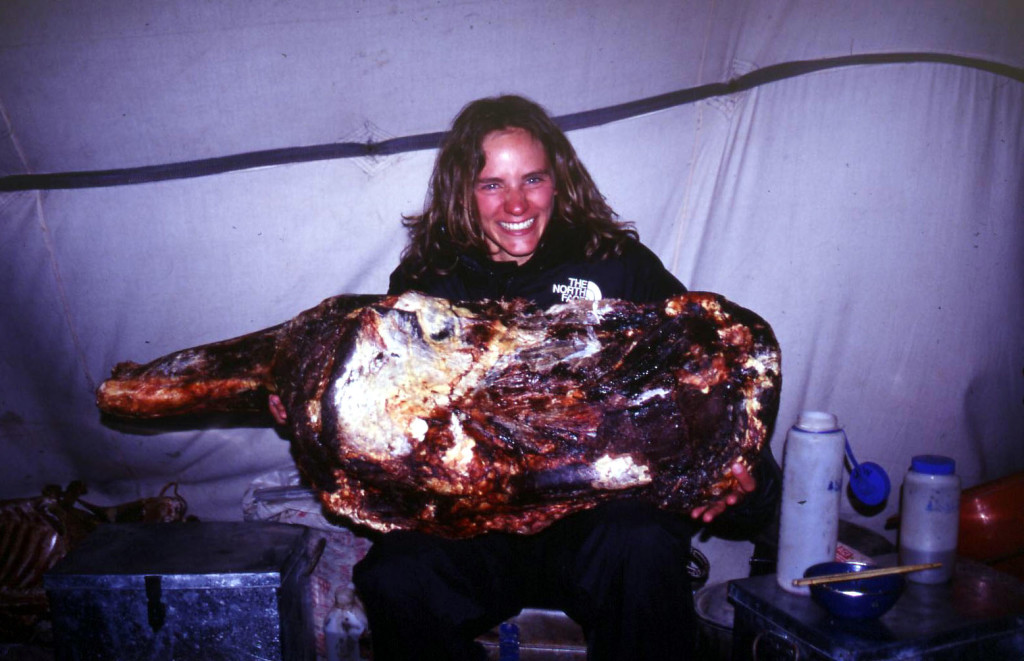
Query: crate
204	591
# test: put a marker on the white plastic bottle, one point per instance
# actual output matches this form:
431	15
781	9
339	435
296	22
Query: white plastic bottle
343	626
812	483
930	517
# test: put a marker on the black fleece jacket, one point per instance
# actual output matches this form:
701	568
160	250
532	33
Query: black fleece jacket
559	271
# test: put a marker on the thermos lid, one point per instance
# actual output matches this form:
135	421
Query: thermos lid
870	483
817	421
933	464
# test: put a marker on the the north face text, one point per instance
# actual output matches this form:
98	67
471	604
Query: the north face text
578	288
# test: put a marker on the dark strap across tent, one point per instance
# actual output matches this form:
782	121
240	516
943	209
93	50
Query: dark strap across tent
571	122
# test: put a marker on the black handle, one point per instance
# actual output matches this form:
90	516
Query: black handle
156	610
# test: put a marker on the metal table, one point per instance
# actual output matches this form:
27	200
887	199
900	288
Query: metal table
978	615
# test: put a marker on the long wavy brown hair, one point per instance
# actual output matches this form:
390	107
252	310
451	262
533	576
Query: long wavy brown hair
448	226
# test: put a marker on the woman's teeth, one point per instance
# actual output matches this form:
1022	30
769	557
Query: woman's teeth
515	227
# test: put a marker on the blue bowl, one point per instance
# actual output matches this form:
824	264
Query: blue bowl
858	598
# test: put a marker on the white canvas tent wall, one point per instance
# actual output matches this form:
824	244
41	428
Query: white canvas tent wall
871	212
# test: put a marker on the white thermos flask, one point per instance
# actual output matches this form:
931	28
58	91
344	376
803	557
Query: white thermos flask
812	481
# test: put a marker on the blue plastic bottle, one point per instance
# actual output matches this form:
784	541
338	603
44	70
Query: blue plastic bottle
508	641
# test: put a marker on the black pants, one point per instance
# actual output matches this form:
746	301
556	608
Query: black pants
619	570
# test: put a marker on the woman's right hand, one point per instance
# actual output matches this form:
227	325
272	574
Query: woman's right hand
277	410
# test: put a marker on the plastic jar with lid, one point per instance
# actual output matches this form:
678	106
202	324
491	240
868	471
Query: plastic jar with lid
930	517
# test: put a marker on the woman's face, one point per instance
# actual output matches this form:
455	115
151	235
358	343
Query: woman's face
514	193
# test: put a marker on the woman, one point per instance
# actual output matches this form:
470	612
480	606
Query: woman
512	212
527	222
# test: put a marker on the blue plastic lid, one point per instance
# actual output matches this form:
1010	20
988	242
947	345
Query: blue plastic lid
933	464
870	483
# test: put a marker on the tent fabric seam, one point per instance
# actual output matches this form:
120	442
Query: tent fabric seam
570	122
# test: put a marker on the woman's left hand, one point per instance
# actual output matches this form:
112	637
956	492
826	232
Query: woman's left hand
745	484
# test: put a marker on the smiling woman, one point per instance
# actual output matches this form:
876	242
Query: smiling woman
514	194
506	175
514	214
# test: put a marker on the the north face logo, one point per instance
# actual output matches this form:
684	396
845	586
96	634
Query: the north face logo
578	288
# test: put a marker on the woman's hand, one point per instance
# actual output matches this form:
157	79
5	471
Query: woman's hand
745	483
277	410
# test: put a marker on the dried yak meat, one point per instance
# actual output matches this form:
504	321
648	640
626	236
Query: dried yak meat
414	412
